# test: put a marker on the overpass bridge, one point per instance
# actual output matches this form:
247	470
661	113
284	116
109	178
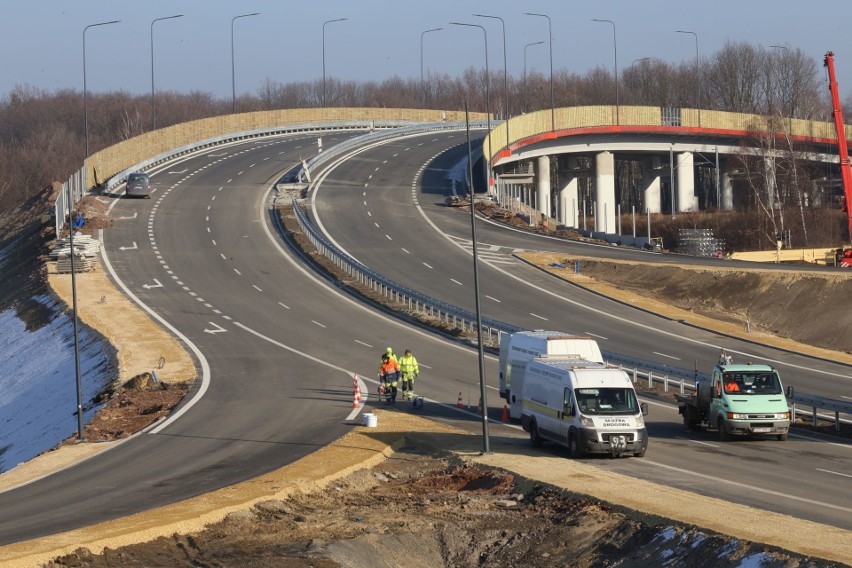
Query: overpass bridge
565	163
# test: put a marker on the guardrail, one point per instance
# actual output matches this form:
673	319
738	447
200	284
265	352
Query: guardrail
654	373
819	403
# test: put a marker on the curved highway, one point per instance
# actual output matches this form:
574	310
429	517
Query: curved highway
277	346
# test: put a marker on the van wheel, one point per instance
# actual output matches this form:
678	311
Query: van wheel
781	437
574	449
535	437
723	434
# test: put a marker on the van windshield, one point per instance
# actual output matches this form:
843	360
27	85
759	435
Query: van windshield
607	401
137	178
752	382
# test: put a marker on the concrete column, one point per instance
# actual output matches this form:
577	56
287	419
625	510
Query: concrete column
727	190
605	192
542	184
569	208
686	199
651	184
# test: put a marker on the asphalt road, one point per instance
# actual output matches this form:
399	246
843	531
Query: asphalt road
277	346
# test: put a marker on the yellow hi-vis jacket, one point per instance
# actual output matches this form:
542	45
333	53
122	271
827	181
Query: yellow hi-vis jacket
408	366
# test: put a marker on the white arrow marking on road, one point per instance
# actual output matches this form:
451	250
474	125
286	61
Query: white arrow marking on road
217	328
131	217
134	247
149	286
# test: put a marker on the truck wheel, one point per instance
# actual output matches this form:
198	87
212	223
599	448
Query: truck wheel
689	421
781	437
535	437
723	434
574	449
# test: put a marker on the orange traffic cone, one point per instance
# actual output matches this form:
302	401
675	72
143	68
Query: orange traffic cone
460	402
356	398
505	413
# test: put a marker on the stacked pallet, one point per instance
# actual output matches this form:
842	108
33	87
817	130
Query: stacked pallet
85	253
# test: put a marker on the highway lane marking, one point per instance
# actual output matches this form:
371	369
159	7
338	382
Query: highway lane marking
362	343
256	288
134	247
720	480
149	286
697	442
216	328
427	266
376	224
456	281
405	251
596	335
285	306
493	298
538	316
238	272
667	356
319	324
214	242
846	397
388	237
833	472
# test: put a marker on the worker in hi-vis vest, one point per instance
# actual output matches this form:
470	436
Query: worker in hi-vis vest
410	369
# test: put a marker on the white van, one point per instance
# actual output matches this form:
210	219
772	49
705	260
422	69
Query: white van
583	405
517	349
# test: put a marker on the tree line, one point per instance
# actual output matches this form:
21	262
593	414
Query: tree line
42	133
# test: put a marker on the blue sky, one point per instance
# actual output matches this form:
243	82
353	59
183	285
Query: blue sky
42	39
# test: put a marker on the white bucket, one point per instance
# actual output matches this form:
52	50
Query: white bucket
370	420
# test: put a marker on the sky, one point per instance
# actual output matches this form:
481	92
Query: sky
42	40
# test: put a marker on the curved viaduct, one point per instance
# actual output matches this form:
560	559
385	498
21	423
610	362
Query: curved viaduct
563	163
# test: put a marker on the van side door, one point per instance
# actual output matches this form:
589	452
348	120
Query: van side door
567	413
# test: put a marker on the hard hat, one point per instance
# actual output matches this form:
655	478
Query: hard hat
388	350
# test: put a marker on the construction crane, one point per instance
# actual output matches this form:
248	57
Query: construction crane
845	170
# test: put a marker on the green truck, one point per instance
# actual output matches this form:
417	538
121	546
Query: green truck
738	400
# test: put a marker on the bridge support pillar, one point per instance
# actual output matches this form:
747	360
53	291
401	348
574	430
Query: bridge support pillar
651	197
568	204
542	185
727	191
605	192
686	199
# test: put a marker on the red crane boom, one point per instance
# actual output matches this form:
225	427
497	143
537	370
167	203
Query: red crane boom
845	170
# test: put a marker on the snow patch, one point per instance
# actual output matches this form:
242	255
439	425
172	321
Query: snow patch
38	389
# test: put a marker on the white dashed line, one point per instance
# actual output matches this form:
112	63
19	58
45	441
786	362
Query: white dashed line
256	288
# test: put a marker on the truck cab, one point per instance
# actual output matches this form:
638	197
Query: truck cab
746	400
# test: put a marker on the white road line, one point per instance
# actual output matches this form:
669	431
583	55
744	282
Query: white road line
364	344
538	316
456	281
318	323
388	237
697	442
834	472
214	242
493	299
426	265
285	306
238	272
405	251
256	288
595	335
666	356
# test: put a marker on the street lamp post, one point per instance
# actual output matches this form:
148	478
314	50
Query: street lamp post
323	53
505	73
525	70
422	78
615	52
550	42
697	71
153	111
487	81
635	61
233	65
85	92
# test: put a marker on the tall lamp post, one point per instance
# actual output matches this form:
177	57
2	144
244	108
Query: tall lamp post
525	70
233	65
635	61
323	53
615	52
505	73
550	42
77	376
422	77
697	72
153	111
85	92
487	81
